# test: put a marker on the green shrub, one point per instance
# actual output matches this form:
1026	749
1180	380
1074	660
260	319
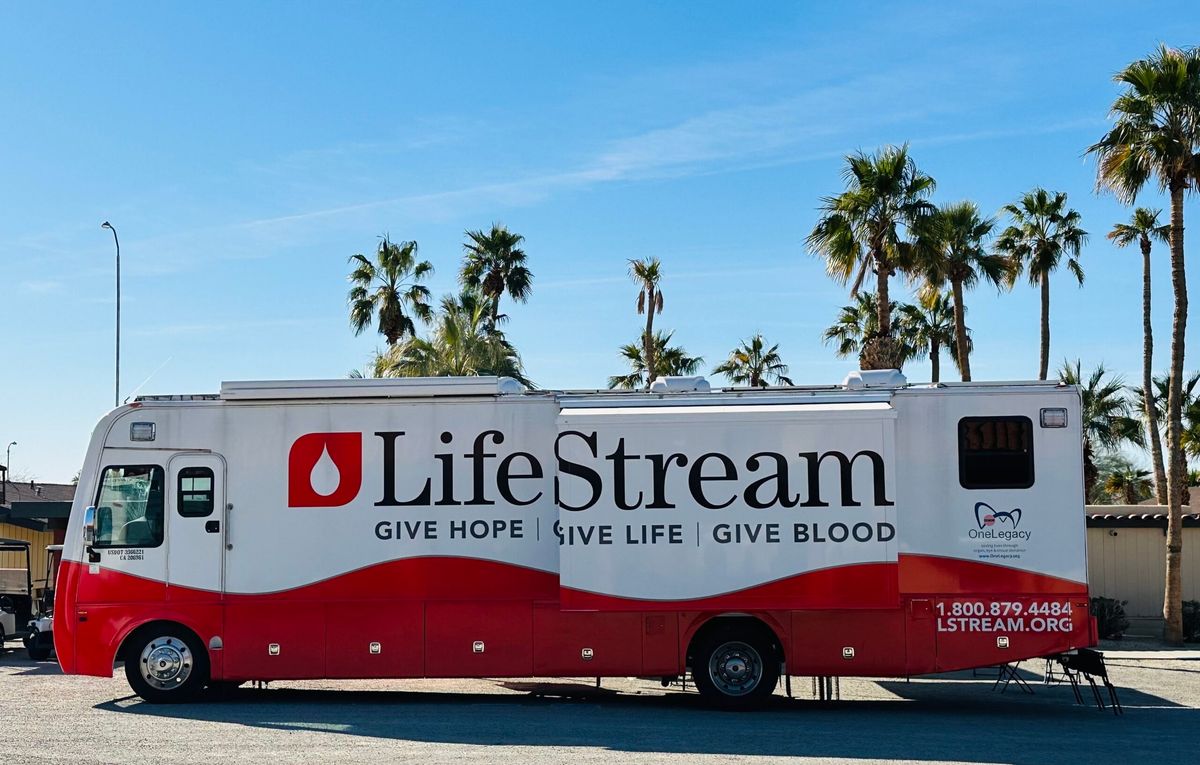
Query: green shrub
1191	621
1111	621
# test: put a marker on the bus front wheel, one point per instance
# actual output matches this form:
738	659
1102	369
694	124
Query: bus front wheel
166	664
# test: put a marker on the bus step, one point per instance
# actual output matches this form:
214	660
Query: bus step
1090	665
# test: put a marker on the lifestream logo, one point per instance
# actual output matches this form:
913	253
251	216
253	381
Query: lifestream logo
326	470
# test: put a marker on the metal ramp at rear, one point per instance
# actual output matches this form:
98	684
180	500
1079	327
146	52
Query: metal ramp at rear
1089	665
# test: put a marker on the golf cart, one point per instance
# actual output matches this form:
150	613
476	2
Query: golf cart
39	639
16	592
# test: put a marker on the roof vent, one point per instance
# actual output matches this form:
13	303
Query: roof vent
680	385
863	379
509	386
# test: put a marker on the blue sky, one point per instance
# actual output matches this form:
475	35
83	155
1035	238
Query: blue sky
244	152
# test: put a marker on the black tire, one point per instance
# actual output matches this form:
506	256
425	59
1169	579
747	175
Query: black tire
166	664
38	646
735	668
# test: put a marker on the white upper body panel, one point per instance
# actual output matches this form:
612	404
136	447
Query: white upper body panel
320	485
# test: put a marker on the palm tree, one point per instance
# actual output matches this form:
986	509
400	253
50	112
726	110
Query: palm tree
870	226
1142	228
390	288
855	323
1043	232
1156	134
1105	414
647	273
1190	406
955	252
928	327
668	360
1129	483
366	373
462	343
753	364
494	264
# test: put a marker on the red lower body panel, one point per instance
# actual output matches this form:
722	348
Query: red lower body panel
459	617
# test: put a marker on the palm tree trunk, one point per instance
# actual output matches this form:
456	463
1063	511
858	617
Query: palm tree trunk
1160	474
960	332
648	338
880	350
935	352
1176	483
1044	364
883	307
1089	472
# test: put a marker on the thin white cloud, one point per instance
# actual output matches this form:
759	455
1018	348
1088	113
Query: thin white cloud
40	285
202	328
718	141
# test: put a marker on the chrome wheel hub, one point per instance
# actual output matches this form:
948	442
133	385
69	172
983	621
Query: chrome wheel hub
735	668
166	663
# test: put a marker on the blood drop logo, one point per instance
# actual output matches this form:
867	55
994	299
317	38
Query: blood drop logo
324	469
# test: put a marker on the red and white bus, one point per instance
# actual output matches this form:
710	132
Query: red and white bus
466	527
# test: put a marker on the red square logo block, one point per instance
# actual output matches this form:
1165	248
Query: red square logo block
324	469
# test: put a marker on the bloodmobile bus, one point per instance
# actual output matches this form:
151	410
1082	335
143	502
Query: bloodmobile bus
466	527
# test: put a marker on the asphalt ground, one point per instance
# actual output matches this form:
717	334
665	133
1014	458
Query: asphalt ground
48	717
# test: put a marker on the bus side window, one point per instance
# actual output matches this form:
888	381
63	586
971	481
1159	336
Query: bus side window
129	506
196	497
995	452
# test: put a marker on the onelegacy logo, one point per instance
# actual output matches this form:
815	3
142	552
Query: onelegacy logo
997	524
986	516
324	469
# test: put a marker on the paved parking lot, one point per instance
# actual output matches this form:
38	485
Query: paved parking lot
46	717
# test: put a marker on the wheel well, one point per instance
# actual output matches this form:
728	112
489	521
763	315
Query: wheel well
741	623
155	625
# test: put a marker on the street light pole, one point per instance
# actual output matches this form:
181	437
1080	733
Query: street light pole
7	477
117	384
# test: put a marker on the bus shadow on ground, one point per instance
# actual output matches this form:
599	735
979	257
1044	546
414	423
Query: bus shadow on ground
962	720
26	666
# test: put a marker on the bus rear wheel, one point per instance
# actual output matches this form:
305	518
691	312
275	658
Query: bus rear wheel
735	669
166	664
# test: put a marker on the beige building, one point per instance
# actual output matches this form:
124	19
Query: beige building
1127	559
35	513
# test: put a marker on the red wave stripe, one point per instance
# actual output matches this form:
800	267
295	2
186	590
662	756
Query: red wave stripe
432	578
865	585
862	585
936	575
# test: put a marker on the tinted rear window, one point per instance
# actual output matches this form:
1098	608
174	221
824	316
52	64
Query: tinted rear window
995	452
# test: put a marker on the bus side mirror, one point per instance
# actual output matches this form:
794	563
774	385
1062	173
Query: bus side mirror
89	526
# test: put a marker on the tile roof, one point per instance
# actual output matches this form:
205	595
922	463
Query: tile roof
1156	520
